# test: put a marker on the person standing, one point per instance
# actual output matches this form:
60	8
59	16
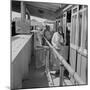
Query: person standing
47	34
57	42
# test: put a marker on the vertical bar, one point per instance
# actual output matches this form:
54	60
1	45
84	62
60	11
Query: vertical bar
61	74
64	25
47	59
23	10
82	28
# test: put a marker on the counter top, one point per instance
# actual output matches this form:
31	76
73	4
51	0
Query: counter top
18	42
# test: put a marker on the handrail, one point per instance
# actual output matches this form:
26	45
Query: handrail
66	65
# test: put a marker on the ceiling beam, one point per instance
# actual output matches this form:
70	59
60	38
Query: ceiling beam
35	11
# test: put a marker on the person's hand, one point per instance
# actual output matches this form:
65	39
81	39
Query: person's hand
62	44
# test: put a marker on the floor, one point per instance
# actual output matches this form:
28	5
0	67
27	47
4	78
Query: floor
36	78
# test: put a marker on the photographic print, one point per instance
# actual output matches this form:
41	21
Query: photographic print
49	44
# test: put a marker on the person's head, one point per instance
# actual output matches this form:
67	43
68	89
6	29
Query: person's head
60	30
46	26
59	23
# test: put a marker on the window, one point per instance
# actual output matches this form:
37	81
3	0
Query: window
86	41
80	29
86	30
74	22
69	16
74	10
83	29
80	7
64	25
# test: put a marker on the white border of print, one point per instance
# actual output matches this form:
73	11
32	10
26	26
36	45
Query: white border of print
5	44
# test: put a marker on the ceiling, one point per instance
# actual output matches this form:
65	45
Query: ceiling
40	9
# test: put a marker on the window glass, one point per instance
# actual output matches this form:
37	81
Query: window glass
72	30
80	7
86	40
64	28
74	19
85	30
75	10
80	29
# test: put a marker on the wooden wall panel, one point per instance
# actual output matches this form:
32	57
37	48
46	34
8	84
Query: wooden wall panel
72	61
72	58
79	64
83	68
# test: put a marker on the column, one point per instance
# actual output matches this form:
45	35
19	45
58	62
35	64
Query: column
23	11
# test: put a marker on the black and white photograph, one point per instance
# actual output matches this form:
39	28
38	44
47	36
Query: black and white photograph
49	44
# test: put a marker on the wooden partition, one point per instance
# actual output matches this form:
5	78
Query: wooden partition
64	25
78	41
62	61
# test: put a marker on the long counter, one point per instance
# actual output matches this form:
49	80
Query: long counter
20	59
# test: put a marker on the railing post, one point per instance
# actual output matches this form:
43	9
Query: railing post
67	66
61	74
47	59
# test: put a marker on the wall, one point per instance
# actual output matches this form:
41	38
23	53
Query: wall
20	65
78	51
79	63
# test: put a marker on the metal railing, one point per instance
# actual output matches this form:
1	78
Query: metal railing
73	74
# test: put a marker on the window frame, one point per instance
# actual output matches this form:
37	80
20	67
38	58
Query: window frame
82	50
